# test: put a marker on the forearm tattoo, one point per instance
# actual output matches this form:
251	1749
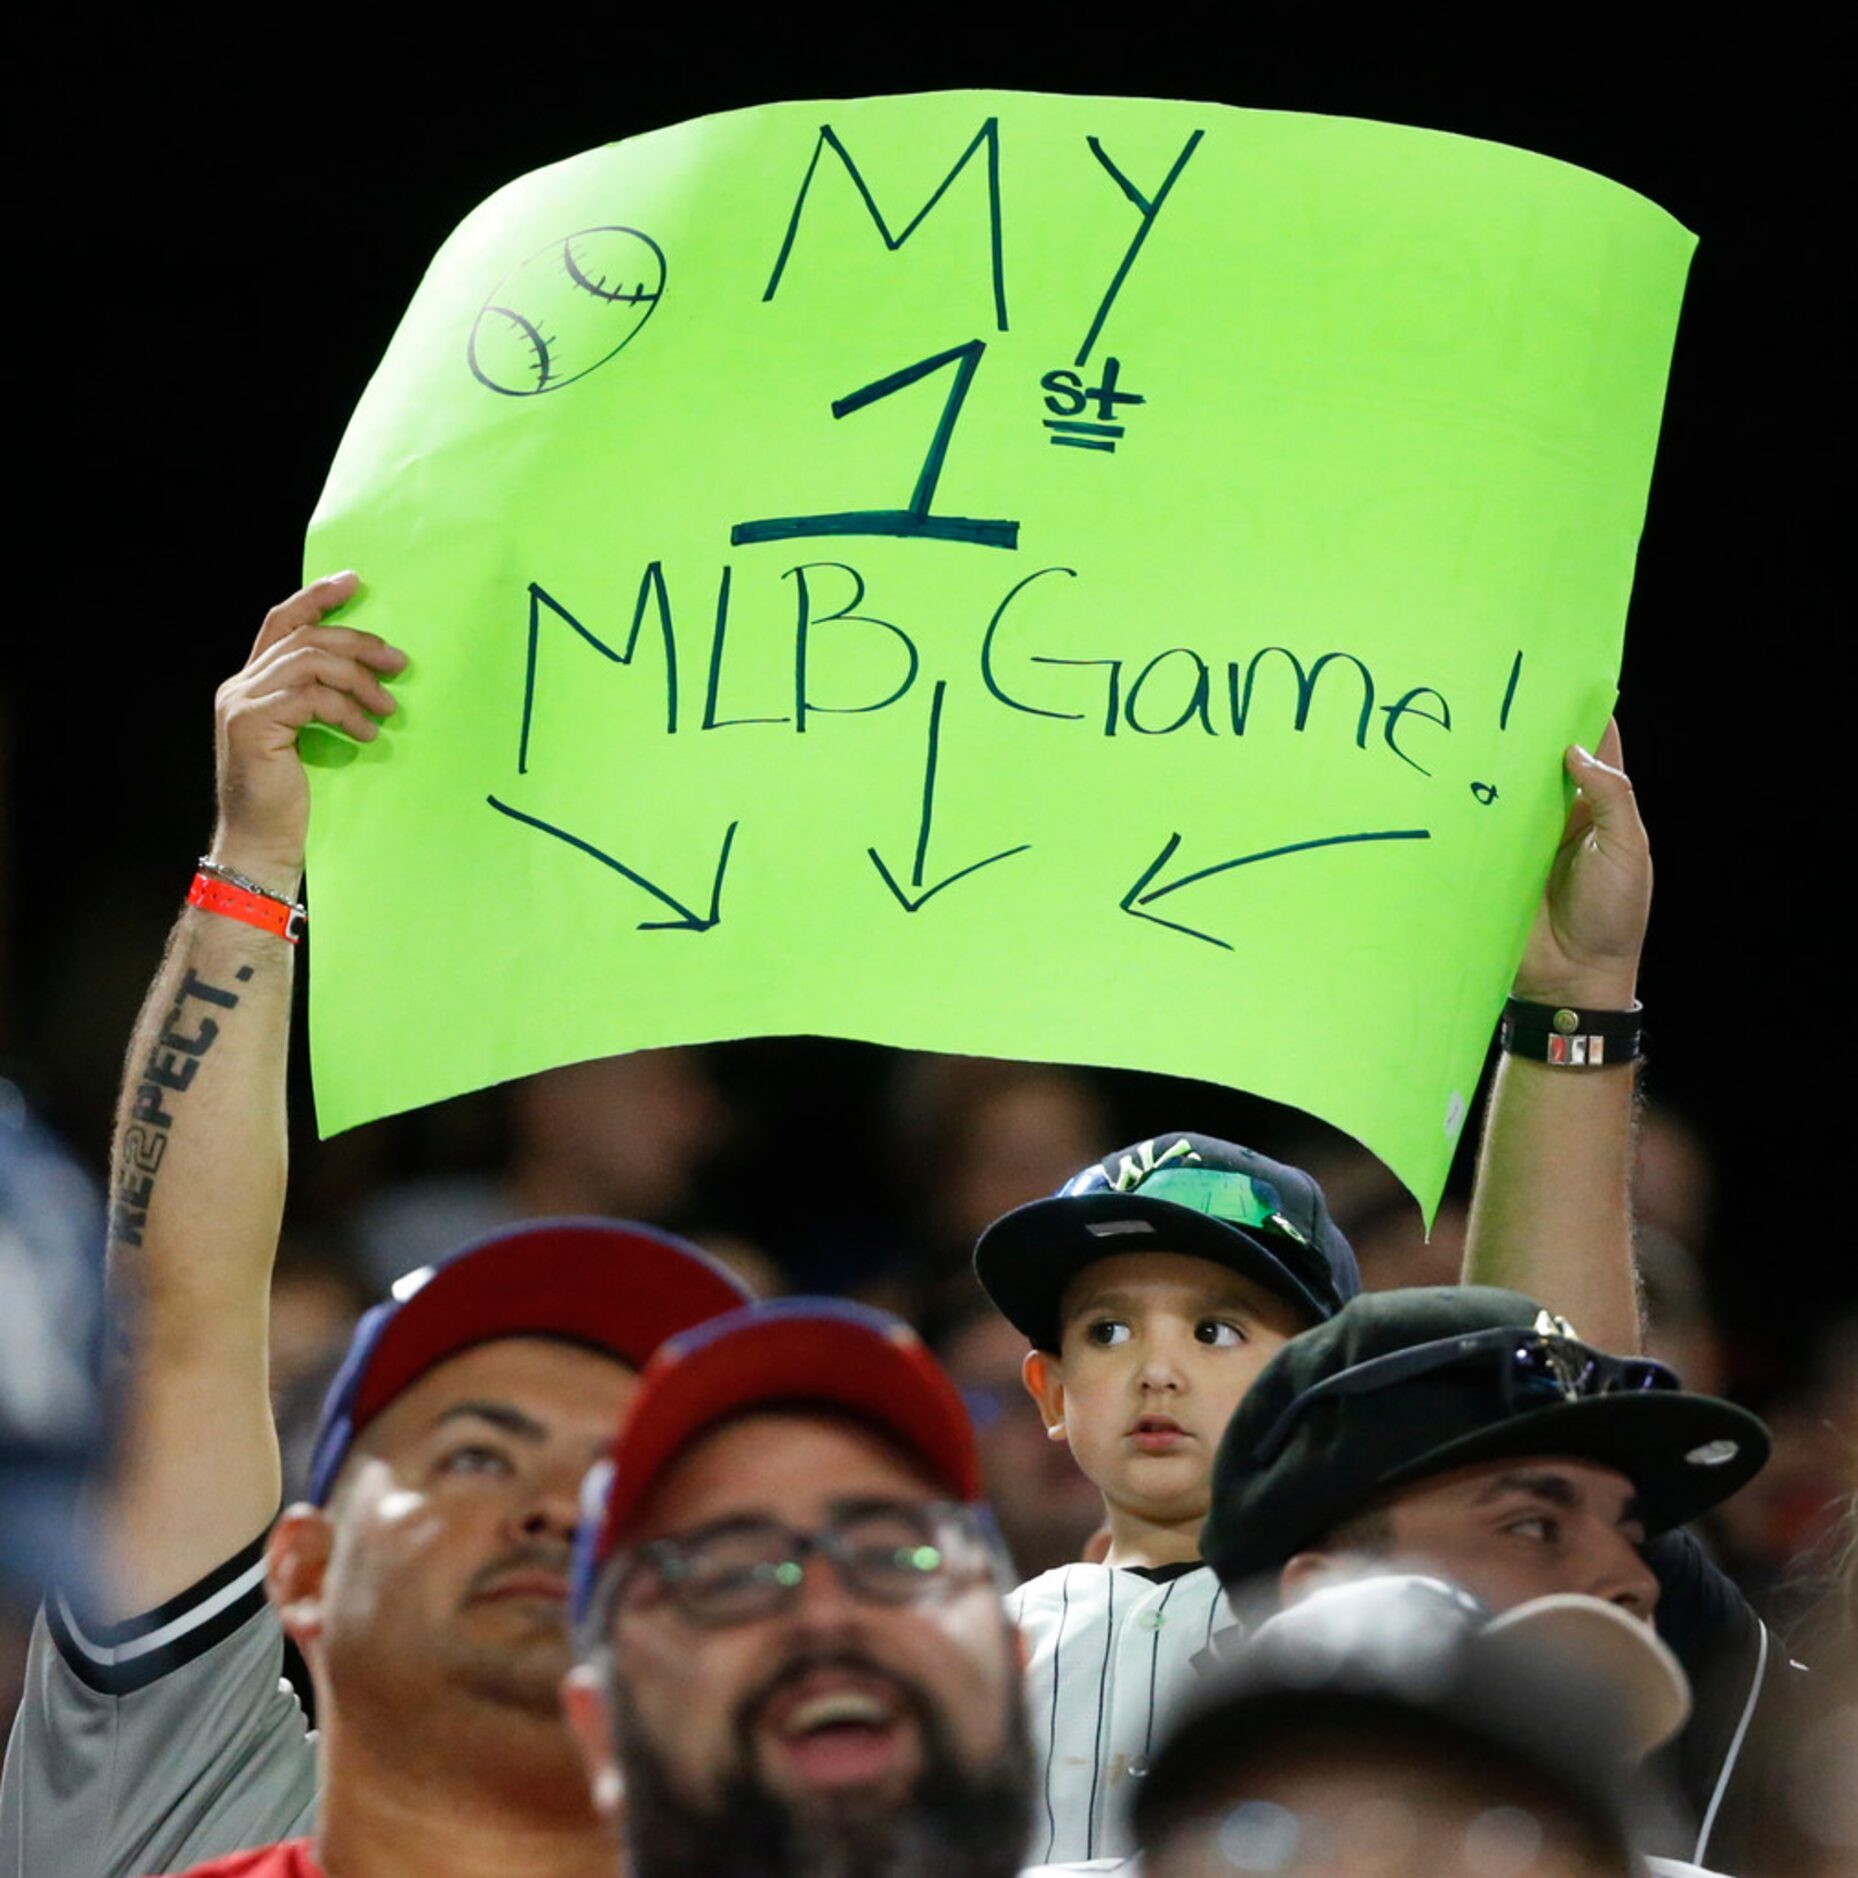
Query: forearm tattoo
172	1064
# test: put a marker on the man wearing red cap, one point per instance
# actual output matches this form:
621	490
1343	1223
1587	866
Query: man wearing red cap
425	1580
795	1656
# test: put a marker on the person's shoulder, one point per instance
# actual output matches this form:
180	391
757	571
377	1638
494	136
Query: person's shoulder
1063	1585
290	1858
1051	1584
1073	1594
1084	1577
123	1658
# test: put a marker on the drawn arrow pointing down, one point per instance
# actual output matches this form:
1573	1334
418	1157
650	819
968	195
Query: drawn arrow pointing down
1135	899
686	920
922	897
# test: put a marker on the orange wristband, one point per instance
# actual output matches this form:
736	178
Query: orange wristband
255	909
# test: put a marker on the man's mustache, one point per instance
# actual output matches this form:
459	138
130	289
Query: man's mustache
552	1558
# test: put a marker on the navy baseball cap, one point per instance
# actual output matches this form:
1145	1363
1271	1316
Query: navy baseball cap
1402	1385
791	1353
1174	1193
613	1286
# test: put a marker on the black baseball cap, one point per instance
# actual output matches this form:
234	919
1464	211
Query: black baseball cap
1400	1385
1174	1193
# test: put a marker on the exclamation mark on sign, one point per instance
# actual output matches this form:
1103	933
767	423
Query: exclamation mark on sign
1486	792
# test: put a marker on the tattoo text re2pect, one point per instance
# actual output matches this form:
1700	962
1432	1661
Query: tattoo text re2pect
172	1065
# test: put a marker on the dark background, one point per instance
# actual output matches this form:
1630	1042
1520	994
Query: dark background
216	242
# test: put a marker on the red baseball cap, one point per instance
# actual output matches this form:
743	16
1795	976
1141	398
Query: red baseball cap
614	1286
794	1352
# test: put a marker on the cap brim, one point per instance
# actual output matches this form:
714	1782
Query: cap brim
1648	1692
791	1353
1682	1453
1026	1259
612	1285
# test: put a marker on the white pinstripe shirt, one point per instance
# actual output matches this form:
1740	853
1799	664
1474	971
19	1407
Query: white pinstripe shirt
1112	1653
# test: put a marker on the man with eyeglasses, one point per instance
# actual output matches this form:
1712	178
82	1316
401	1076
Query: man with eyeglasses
1466	1433
795	1658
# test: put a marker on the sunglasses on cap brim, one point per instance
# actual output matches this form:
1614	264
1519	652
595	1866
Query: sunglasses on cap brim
1235	1198
1534	1370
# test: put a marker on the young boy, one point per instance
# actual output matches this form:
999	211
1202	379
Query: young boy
1153	1288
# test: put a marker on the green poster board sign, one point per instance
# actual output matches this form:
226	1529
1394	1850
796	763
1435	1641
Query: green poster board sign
1049	577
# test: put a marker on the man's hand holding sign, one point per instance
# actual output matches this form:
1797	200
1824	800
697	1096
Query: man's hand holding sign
1552	1135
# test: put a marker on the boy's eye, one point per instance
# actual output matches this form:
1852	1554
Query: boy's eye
1538	1527
1218	1332
474	1458
1107	1332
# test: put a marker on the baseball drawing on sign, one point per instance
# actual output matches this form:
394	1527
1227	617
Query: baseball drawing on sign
566	311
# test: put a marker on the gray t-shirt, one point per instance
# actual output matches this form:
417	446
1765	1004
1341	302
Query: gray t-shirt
154	1744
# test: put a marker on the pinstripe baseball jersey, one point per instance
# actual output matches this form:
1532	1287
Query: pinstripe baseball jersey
150	1745
1112	1652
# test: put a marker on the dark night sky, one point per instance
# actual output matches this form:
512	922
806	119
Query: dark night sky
214	248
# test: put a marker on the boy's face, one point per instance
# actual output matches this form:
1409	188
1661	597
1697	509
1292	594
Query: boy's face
1157	1349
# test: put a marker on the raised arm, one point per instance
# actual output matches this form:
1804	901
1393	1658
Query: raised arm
1552	1210
198	1176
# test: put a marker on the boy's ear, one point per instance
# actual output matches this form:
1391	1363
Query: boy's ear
296	1564
1043	1375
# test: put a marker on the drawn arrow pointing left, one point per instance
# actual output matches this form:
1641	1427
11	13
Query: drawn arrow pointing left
904	900
686	920
1142	894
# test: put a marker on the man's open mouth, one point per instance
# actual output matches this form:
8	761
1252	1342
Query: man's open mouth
837	1727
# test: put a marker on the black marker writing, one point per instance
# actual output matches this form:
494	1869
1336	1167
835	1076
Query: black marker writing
1148	208
804	705
686	920
915	521
651	588
1142	894
914	900
987	137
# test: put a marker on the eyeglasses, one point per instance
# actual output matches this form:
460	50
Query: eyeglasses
742	1569
1534	1369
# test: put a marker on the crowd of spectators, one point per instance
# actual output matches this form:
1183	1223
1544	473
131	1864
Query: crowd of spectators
878	1195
